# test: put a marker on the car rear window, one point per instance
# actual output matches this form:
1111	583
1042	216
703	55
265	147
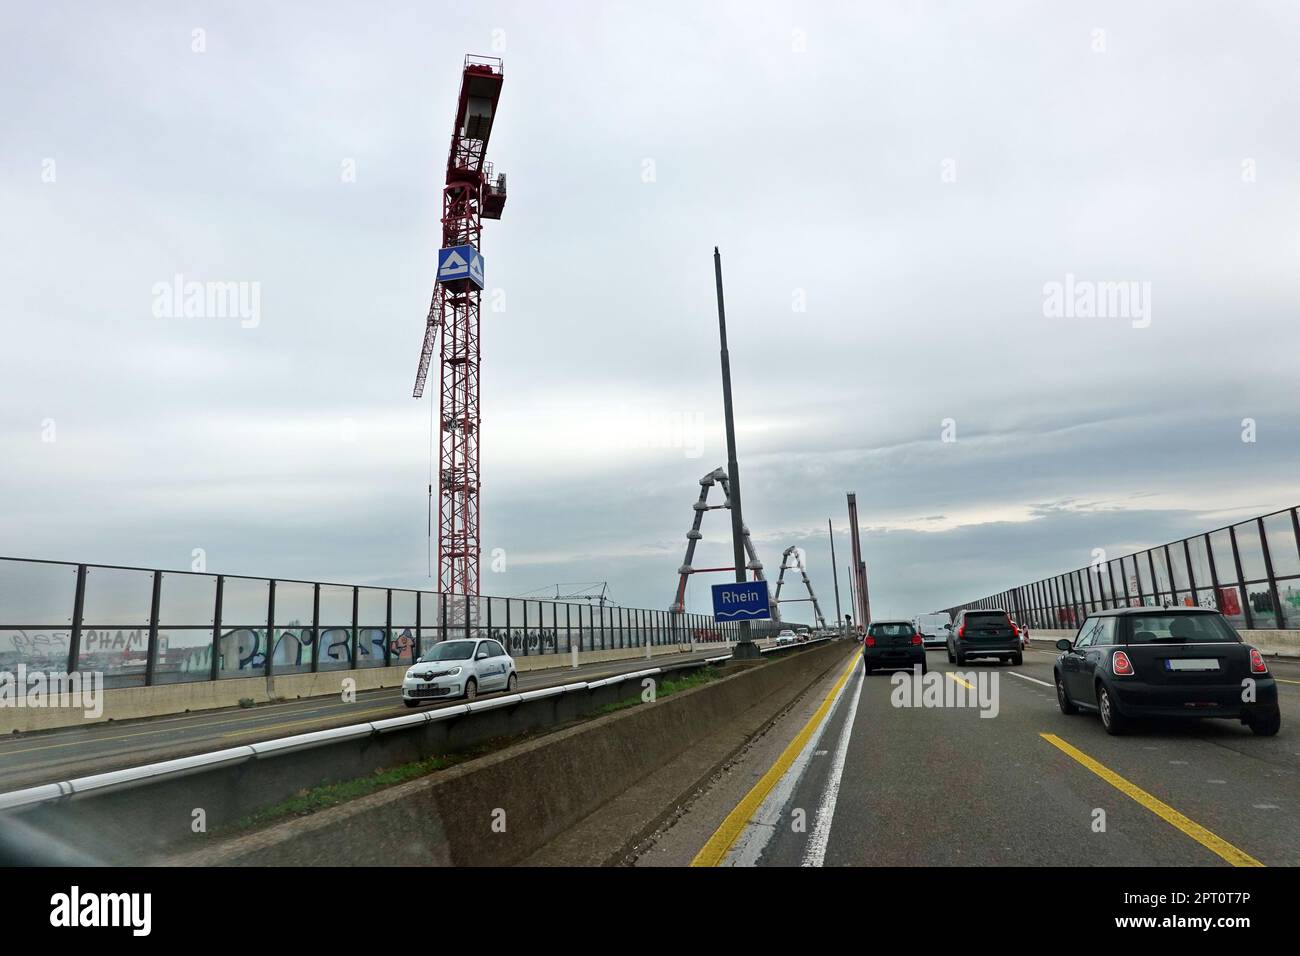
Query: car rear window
1180	628
987	617
892	630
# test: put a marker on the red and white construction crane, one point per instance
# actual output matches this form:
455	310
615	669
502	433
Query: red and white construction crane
470	195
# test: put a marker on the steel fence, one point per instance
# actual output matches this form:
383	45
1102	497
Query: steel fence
144	626
1249	571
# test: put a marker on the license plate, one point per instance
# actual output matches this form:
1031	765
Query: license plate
1192	664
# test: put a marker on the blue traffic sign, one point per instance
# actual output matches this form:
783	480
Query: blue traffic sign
741	602
459	263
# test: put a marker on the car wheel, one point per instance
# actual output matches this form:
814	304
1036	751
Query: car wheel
511	681
1018	659
925	667
471	689
961	659
410	703
1111	718
867	669
1063	698
1265	723
951	659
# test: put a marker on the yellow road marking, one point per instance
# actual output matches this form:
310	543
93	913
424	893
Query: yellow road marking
715	851
1283	680
965	683
1215	844
74	743
311	720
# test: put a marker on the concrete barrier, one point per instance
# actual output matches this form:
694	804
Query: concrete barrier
130	703
498	809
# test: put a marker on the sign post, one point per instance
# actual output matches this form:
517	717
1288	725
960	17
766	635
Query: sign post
746	649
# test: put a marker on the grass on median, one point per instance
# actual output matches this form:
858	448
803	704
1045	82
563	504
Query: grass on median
666	688
307	802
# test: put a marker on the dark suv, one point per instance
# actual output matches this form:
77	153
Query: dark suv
1165	662
983	633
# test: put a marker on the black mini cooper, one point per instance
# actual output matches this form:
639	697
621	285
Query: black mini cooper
1138	662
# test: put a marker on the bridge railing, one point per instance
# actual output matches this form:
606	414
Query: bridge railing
145	626
1249	571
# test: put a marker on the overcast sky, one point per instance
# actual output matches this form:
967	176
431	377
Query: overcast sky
894	188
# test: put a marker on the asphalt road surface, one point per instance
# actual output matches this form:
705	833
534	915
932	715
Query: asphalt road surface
853	780
55	755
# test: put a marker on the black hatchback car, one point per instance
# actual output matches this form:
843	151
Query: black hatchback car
893	644
1130	663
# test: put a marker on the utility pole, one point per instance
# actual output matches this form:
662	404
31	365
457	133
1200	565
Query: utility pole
746	649
835	573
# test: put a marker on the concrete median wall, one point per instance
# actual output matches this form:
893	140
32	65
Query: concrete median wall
129	703
499	809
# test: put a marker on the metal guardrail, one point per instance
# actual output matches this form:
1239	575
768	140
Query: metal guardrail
101	783
1249	571
145	626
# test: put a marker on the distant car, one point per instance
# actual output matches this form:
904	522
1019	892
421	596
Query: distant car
931	628
984	633
893	644
1023	631
459	669
1130	663
786	636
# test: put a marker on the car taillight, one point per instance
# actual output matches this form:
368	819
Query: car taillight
961	631
916	638
871	641
1120	665
1257	665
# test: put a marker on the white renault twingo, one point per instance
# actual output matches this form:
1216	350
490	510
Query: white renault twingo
460	668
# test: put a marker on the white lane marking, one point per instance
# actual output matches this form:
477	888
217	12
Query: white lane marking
818	840
759	830
1034	679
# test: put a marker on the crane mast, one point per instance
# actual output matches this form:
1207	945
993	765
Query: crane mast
471	194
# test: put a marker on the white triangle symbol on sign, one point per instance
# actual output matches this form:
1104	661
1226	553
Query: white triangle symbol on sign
453	263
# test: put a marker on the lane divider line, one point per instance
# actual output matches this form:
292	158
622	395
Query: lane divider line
819	839
961	680
1034	679
1212	842
715	850
280	725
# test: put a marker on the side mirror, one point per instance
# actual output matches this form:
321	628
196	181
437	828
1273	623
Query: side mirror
947	627
1064	645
